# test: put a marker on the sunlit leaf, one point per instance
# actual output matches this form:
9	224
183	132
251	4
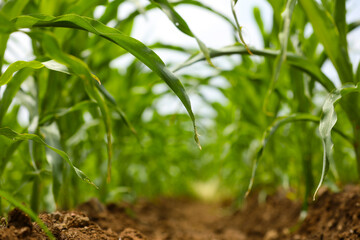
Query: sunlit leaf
327	123
16	66
280	121
135	47
328	34
81	69
6	25
269	132
294	60
11	90
180	23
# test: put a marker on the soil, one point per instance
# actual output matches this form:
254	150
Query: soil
331	216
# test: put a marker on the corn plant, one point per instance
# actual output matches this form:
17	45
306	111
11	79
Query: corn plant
105	125
66	89
296	68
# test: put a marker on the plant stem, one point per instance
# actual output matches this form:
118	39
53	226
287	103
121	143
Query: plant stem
35	201
357	146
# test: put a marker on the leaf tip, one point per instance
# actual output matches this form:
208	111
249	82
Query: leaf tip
196	137
96	78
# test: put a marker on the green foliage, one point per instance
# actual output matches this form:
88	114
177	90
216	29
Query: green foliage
275	104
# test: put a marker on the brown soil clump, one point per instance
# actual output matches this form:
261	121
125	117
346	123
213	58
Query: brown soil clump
332	216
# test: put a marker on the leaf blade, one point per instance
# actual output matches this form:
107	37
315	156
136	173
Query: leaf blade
28	211
327	124
328	34
9	133
133	46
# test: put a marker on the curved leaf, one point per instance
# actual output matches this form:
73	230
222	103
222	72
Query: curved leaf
238	27
294	60
353	25
82	70
18	65
9	133
272	129
180	23
327	123
63	111
6	25
283	38
202	5
327	32
11	90
122	115
269	132
180	2
133	46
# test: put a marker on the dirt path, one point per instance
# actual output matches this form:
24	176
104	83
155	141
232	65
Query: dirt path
332	216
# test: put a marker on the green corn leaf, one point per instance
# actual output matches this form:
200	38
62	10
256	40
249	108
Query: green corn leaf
81	69
180	23
22	70
28	211
327	123
273	128
328	33
280	121
56	163
11	90
294	60
18	65
340	21
135	47
269	132
110	11
357	74
122	115
238	27
283	37
6	25
6	157
9	133
63	111
259	21
10	10
3	42
181	2
353	25
206	7
55	66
